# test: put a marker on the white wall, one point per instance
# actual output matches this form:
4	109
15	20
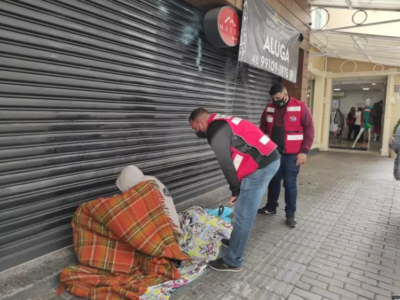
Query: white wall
355	98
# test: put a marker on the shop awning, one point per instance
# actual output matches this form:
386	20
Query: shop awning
361	30
358	4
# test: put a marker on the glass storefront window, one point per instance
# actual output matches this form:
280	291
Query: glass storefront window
310	94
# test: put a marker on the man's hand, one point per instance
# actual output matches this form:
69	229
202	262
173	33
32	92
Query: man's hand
232	201
301	159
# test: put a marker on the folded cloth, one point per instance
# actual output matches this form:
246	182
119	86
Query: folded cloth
202	233
222	212
124	244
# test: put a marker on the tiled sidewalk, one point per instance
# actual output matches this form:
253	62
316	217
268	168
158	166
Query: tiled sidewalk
347	244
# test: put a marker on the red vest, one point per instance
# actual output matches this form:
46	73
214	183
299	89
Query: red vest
293	129
244	163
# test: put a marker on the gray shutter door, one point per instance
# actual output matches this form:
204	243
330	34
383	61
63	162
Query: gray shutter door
88	87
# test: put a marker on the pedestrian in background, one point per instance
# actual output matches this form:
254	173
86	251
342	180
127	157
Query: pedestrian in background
351	119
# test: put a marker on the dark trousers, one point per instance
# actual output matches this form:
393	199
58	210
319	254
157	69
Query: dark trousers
357	129
351	130
288	172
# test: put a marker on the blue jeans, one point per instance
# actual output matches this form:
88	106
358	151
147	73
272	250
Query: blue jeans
252	190
287	172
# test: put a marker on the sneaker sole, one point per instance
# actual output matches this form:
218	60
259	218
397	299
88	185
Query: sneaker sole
226	270
265	213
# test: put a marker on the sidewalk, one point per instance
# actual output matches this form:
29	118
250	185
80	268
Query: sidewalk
347	244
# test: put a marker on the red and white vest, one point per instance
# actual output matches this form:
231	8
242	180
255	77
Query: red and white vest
244	163
293	129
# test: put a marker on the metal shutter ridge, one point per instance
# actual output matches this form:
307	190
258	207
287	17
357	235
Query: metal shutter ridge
88	87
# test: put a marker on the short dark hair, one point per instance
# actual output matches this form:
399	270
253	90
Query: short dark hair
276	88
197	113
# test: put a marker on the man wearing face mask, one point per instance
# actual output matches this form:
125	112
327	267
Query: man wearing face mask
289	124
249	160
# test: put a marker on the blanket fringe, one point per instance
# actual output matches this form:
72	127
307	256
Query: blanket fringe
61	289
166	209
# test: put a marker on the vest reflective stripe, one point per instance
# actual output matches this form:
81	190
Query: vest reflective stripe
294	108
219	116
237	161
264	140
236	120
244	163
295	137
292	120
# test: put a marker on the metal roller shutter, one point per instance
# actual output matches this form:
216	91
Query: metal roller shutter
88	87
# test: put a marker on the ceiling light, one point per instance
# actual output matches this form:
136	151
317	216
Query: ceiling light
374	84
365	89
336	89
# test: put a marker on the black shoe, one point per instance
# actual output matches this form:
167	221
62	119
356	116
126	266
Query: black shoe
221	266
266	211
291	221
225	243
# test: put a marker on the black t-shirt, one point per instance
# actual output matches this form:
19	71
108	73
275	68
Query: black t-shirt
278	136
219	136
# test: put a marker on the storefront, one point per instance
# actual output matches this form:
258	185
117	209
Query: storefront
340	84
90	87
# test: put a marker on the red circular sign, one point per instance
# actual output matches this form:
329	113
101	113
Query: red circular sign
228	26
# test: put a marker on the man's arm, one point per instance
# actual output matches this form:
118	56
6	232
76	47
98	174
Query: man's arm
263	122
308	130
219	136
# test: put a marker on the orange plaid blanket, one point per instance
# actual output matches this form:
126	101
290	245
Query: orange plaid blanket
123	243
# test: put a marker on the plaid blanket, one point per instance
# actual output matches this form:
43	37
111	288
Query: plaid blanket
123	243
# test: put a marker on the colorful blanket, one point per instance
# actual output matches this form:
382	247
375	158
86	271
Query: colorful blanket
201	239
189	272
202	233
123	243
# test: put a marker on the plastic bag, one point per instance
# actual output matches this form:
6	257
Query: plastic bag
222	212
